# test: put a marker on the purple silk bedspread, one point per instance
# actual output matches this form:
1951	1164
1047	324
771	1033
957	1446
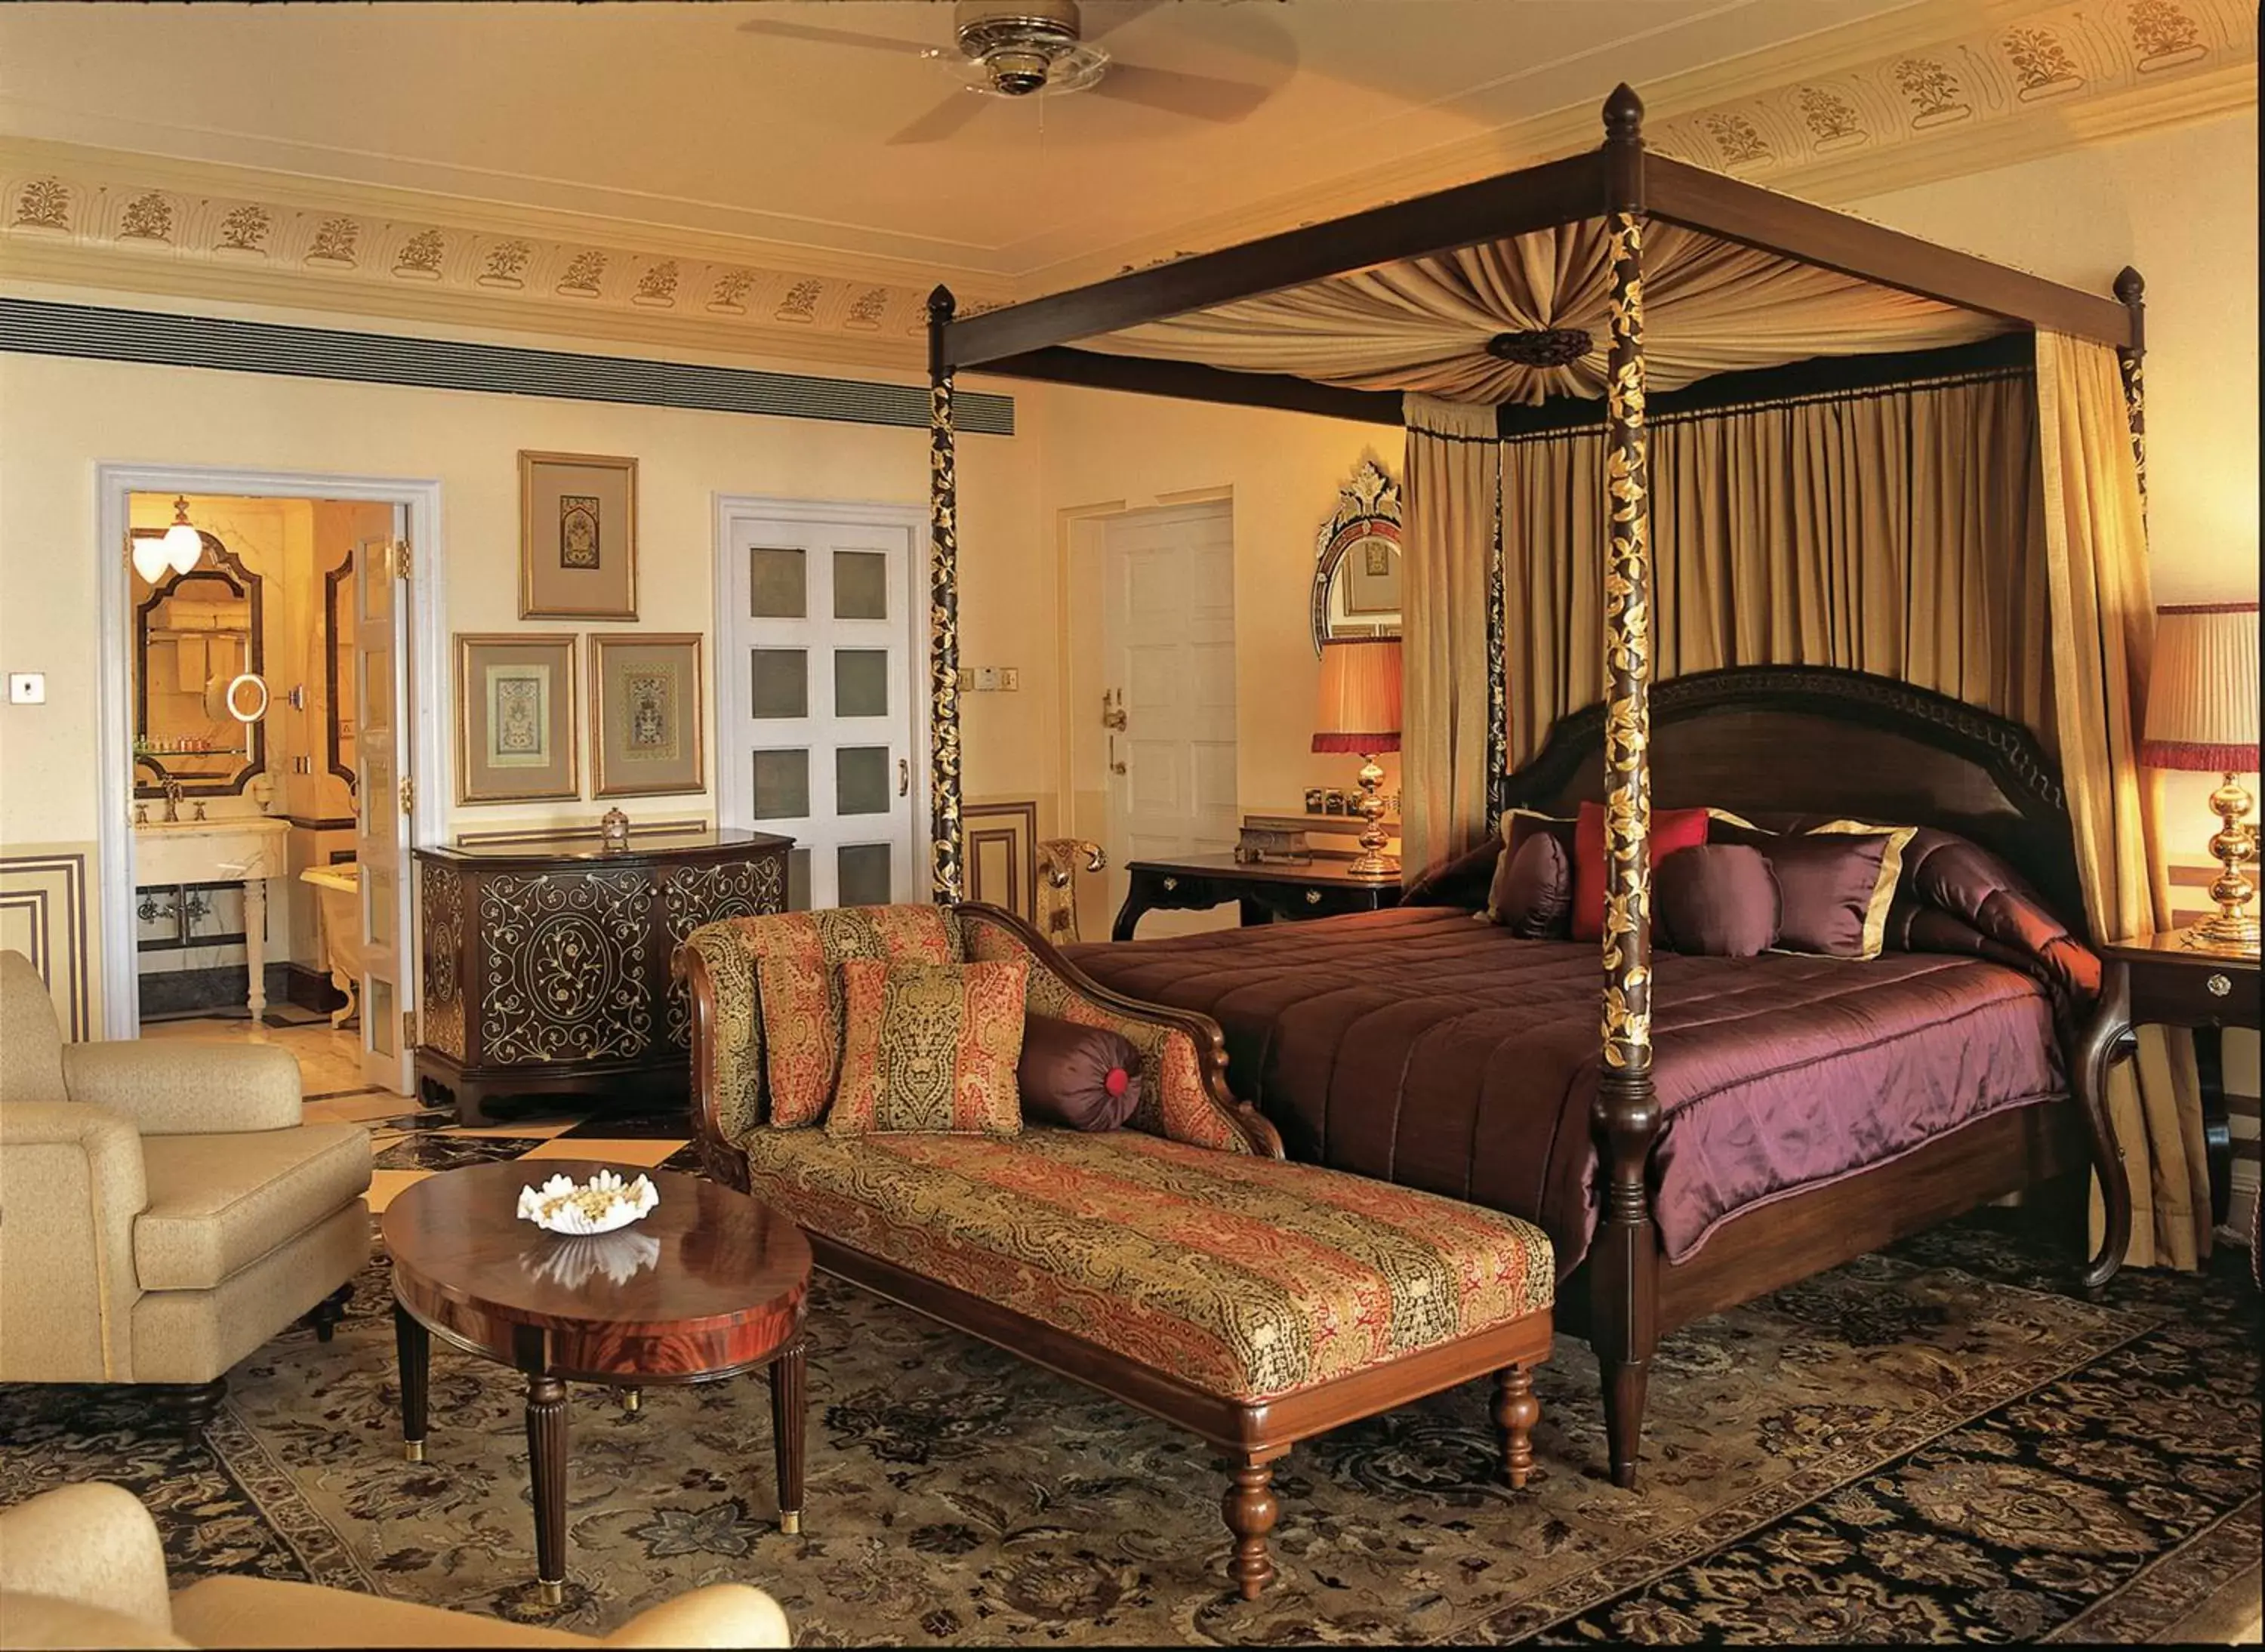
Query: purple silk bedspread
1425	1047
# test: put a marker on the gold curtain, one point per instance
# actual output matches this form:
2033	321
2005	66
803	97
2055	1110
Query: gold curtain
1891	531
1453	481
2102	635
1422	325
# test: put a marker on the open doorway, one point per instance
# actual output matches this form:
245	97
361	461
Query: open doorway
268	720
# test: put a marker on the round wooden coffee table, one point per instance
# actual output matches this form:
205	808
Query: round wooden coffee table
711	1284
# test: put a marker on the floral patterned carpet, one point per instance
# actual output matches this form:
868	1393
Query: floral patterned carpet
1939	1443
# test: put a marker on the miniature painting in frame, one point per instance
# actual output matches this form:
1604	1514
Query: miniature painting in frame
645	696
515	733
577	536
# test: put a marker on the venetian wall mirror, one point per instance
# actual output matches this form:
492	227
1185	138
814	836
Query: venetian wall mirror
199	686
1357	561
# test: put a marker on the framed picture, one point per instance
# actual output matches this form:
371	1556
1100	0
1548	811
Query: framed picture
577	536
646	696
515	736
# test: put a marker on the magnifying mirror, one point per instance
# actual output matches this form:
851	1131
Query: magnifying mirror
247	697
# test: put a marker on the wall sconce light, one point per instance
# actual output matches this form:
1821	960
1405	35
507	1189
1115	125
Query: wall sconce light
184	548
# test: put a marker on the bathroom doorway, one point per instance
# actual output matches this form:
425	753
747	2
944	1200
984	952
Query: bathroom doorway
269	678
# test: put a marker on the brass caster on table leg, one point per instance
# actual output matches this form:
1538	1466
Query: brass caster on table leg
553	1594
791	1523
413	1451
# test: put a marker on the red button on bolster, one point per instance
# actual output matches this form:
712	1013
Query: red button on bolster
1117	1082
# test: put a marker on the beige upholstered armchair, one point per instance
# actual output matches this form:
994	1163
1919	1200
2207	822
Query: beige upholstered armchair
83	1567
163	1209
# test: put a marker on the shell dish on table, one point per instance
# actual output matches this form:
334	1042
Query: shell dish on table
605	1202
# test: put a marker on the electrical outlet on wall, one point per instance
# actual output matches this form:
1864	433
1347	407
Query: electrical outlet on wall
987	679
1010	678
27	687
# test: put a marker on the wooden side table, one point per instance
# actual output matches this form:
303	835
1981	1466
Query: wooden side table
711	1284
1265	893
2159	980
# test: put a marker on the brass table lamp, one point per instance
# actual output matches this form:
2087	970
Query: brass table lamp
1360	711
2201	717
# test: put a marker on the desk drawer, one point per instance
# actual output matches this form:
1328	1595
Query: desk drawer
2196	993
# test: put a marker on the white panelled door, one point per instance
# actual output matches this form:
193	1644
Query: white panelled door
1168	624
819	695
381	678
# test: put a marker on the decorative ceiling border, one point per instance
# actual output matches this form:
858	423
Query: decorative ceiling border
1911	97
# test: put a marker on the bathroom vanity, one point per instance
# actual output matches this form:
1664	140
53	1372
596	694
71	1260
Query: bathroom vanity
547	964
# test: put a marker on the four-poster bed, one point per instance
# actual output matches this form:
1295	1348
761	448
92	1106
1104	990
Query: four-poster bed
1338	319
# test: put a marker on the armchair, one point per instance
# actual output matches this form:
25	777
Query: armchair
166	1210
83	1567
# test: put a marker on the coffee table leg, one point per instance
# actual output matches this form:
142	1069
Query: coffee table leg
787	1372
546	1457
414	1344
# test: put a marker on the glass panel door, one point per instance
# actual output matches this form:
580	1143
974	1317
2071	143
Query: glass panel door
819	716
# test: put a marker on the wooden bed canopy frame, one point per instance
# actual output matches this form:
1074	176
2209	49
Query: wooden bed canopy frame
1626	1308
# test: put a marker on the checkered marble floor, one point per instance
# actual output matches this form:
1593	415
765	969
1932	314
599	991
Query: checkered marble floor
412	1141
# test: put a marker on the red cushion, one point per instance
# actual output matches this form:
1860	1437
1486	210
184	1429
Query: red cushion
1671	829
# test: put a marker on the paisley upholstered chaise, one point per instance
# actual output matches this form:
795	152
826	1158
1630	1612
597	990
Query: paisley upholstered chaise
1178	1264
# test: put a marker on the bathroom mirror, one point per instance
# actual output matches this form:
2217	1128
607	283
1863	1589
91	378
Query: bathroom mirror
1356	564
199	688
338	669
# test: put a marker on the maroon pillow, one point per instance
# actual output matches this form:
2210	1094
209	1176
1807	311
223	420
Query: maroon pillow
1079	1077
1718	900
1826	882
1532	893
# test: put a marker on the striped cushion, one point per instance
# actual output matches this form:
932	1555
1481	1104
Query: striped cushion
1248	1276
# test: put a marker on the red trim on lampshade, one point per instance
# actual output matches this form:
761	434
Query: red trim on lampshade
1365	745
2208	607
2193	755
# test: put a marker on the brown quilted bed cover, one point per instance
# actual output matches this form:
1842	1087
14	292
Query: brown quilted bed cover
1425	1047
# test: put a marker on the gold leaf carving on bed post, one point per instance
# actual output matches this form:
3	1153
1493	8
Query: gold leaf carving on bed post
2131	293
1627	1022
944	876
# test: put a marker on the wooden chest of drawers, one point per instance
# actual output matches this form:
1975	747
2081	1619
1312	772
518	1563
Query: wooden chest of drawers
546	968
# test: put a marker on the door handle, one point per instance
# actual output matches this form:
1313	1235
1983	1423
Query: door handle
1116	767
1112	709
904	777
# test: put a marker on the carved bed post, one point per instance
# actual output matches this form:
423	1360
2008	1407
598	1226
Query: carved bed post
944	876
1623	1261
2131	293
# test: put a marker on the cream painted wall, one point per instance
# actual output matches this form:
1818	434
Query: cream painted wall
59	418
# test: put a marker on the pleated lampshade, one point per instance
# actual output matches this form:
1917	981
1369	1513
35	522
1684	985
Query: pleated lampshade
1358	707
2202	696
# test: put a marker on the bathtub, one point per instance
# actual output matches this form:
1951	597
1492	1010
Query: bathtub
338	894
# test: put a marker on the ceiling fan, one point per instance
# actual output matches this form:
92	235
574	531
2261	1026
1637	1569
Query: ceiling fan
1019	48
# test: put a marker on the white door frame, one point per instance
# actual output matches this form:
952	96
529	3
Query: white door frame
732	785
430	753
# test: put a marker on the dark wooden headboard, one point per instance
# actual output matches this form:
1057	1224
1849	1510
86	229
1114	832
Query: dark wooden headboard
1810	739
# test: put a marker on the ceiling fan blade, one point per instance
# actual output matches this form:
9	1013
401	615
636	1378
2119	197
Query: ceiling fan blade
941	122
1202	97
1121	13
832	37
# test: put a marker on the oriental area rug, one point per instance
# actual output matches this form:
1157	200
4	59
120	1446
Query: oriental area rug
1939	1442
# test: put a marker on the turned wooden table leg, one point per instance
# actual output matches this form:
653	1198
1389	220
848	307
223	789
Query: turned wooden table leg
1516	1411
788	1372
1250	1508
546	1459
413	1346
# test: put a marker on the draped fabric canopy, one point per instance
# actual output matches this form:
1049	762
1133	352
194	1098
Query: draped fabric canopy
1422	325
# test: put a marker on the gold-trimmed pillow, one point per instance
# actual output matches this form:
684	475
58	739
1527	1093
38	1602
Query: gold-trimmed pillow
1883	888
930	1047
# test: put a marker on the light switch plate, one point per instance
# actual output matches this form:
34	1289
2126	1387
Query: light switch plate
987	679
1010	678
27	687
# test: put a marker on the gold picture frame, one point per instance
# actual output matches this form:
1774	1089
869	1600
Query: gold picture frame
578	518
517	739
646	732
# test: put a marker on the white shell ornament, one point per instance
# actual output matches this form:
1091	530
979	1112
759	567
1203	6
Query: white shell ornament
597	1207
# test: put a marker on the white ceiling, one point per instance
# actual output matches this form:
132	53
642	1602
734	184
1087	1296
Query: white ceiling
678	115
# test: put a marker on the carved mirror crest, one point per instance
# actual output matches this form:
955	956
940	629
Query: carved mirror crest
1357	561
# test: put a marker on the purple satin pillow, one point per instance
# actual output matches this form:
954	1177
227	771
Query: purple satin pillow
1076	1076
1826	883
1717	900
1532	893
